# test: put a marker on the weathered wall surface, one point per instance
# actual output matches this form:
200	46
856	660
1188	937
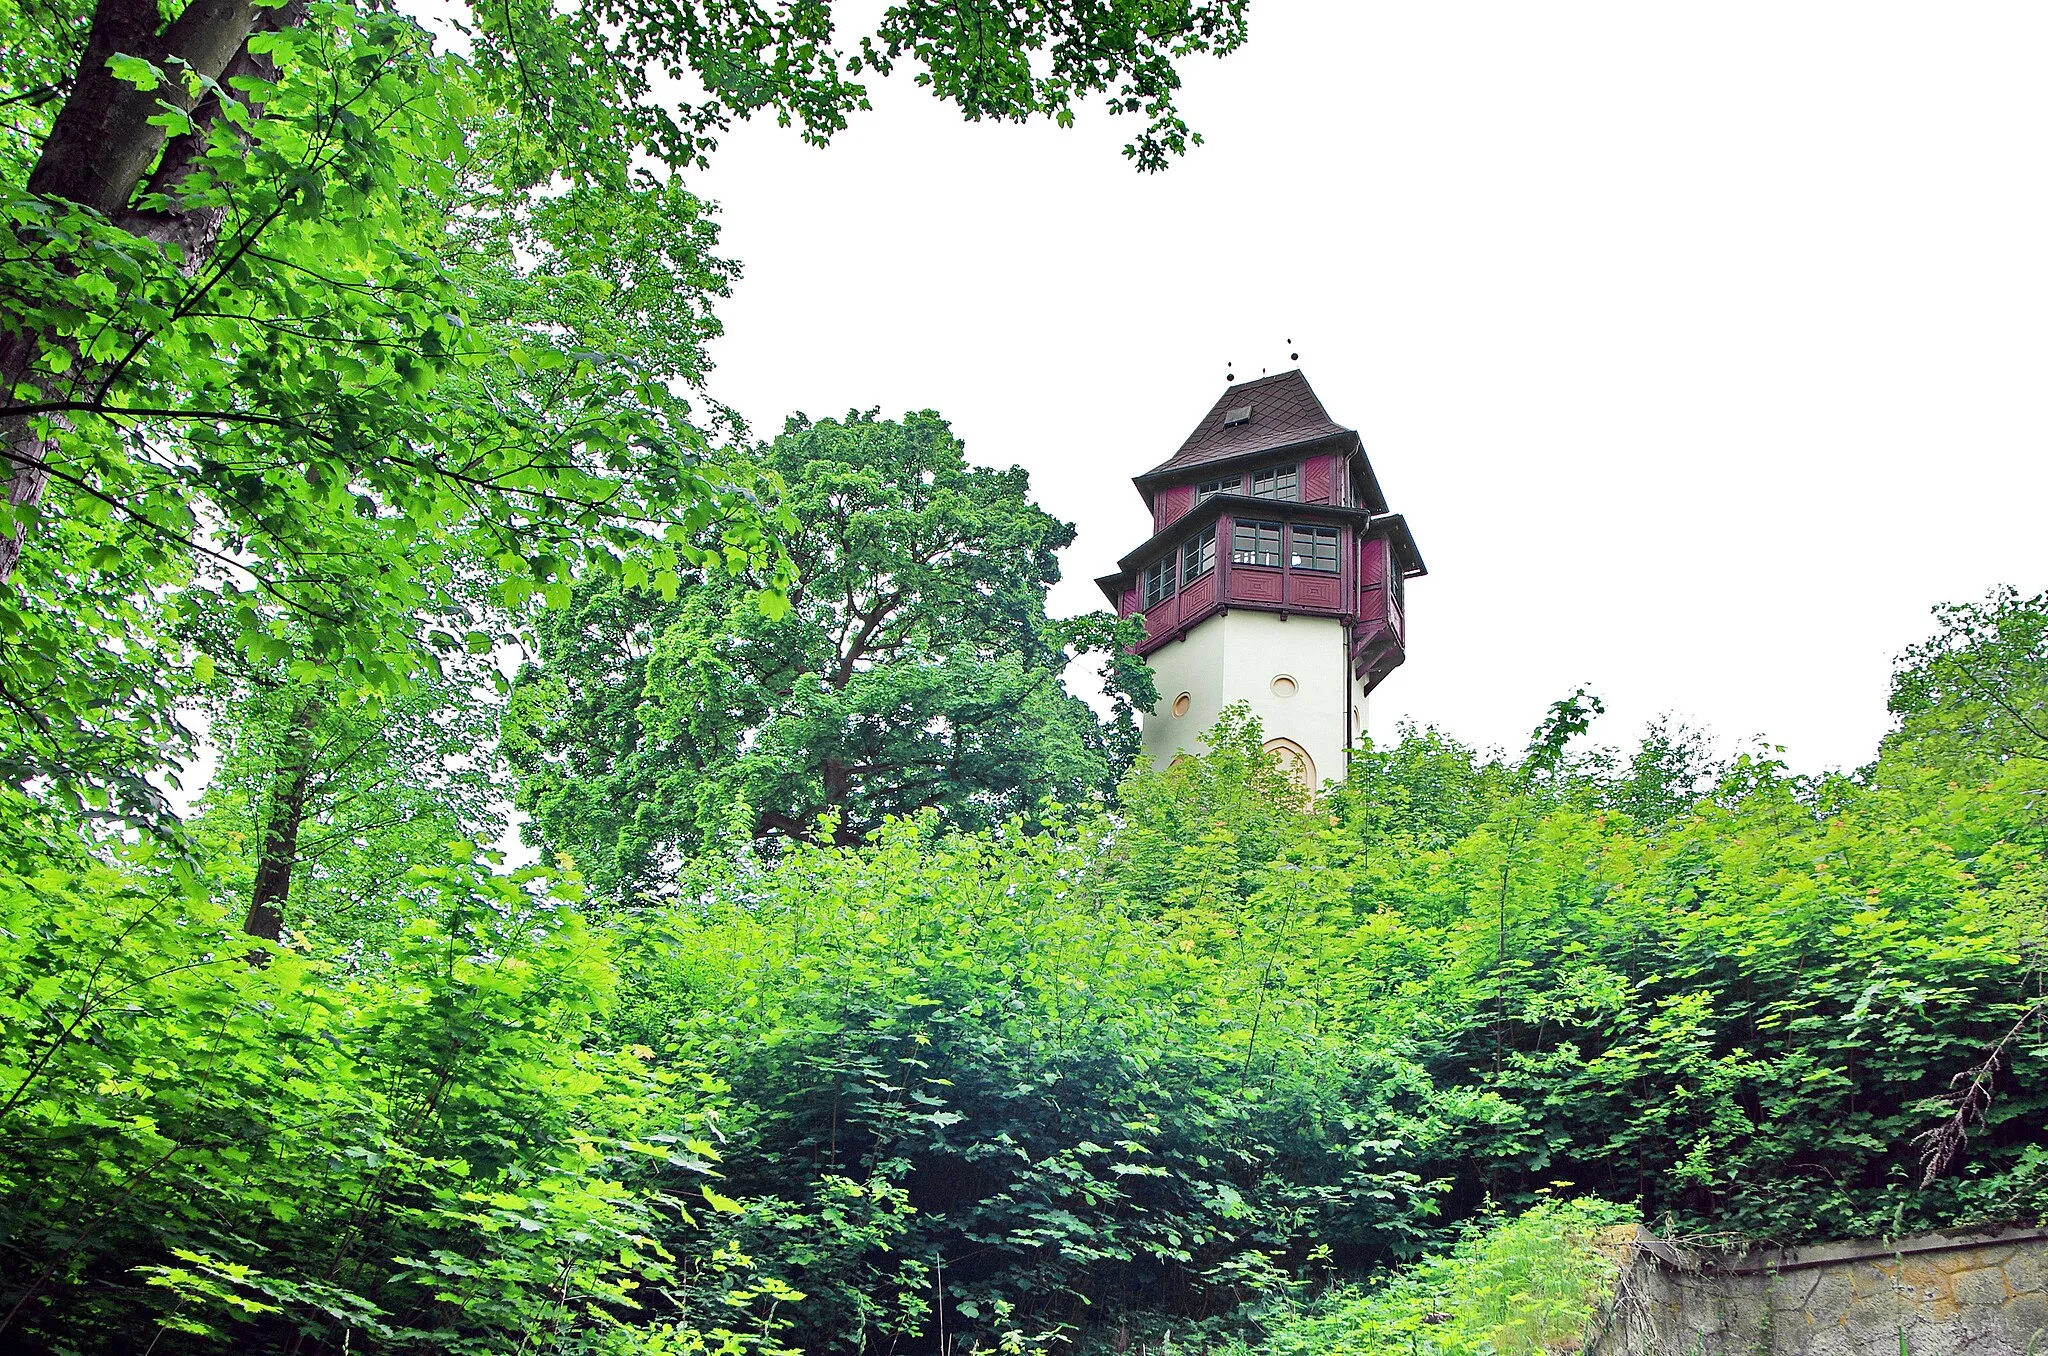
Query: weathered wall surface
1963	1293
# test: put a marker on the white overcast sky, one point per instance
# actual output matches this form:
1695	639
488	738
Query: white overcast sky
1703	346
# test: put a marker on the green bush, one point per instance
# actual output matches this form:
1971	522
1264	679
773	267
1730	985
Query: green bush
1524	1286
968	1073
245	1147
1140	1075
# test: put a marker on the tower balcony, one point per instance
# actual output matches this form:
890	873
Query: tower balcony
1293	559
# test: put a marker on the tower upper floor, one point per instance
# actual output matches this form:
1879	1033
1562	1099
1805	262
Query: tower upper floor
1272	505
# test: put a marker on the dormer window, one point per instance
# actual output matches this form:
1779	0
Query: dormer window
1277	482
1209	489
1237	417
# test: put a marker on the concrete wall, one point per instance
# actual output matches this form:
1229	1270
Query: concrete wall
1960	1293
1235	657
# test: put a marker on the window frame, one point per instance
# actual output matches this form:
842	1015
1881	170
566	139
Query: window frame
1319	536
1283	483
1240	555
1209	489
1203	547
1162	574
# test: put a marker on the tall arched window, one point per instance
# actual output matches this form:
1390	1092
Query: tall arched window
1294	761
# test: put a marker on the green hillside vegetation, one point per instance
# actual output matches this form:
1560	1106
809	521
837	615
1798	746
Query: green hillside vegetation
360	464
1182	1068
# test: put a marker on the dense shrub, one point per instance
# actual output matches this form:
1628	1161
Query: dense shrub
247	1148
965	1067
1525	1286
1149	1075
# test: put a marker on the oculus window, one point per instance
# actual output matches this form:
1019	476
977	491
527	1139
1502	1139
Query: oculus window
1255	544
1197	556
1314	548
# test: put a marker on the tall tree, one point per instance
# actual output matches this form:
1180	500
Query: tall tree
916	667
238	317
325	800
1975	694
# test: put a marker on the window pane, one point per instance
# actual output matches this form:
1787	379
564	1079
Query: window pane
1210	488
1255	544
1198	556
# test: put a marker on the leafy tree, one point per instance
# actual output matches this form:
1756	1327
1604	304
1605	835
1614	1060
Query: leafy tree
1157	1068
323	801
1084	1105
1673	766
1976	692
246	319
915	668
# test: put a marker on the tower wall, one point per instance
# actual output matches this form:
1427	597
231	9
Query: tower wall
1238	656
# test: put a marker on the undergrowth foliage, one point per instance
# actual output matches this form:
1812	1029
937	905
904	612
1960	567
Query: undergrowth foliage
280	1156
1525	1286
1204	1067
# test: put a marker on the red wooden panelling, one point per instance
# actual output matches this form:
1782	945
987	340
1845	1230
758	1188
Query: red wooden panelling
1253	584
1316	479
1171	503
1129	604
1314	590
1198	595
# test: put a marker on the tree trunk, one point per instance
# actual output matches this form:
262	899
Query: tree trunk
100	145
102	141
279	849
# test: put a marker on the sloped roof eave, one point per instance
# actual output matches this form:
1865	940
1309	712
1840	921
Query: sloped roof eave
1174	468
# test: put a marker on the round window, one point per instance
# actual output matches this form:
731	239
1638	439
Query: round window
1283	686
1181	704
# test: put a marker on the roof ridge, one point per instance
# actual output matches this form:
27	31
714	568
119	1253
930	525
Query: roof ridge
1254	381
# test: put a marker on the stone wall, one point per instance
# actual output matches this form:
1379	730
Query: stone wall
1977	1292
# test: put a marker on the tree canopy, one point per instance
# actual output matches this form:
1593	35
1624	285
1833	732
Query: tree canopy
914	668
292	291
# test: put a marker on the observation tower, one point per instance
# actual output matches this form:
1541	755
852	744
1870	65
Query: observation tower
1275	576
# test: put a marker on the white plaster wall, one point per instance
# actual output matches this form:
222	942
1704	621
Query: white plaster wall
1235	657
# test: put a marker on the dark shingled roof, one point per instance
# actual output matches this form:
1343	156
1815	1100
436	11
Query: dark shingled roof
1284	412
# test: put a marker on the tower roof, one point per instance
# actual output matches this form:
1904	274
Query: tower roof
1284	413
